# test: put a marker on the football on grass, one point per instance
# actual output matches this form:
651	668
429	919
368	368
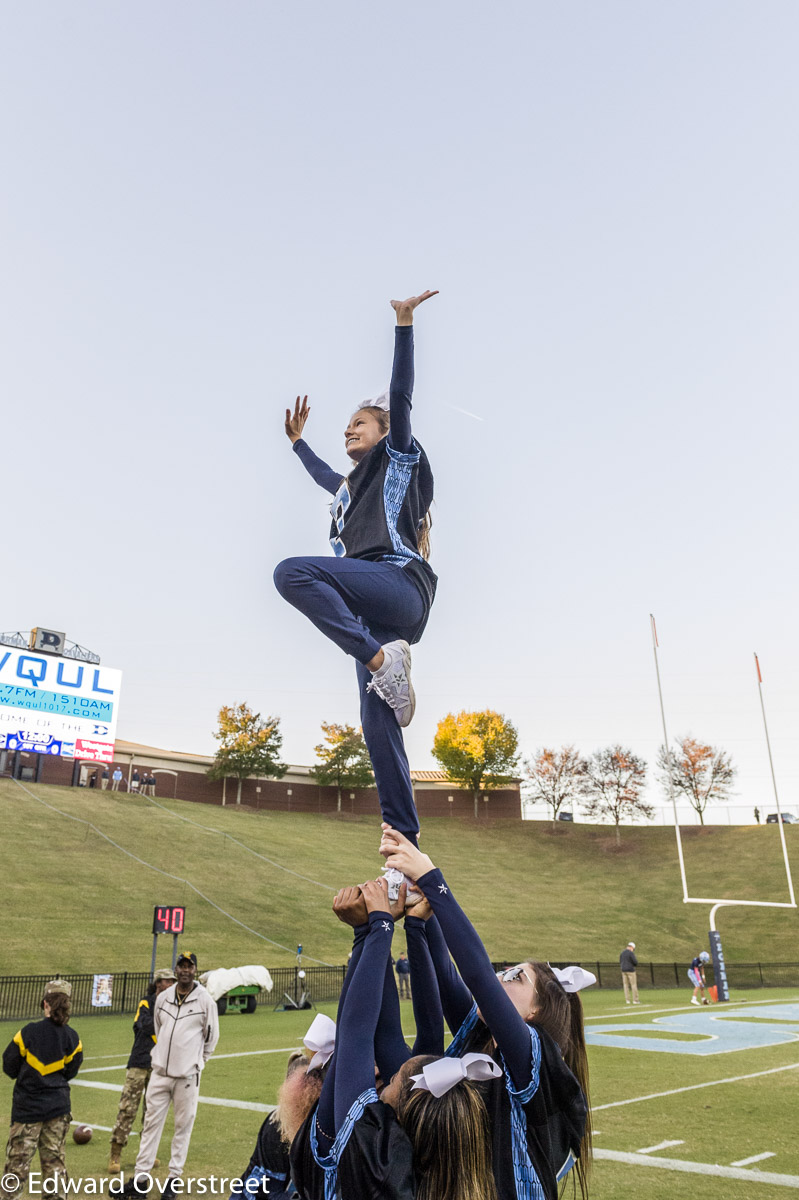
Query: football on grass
82	1134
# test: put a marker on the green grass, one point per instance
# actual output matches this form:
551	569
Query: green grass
718	1124
75	903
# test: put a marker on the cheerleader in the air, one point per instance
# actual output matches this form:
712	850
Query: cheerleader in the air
374	597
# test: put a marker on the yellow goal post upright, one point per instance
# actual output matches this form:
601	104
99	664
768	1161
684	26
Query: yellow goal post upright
719	966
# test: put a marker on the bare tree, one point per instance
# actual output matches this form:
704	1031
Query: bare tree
555	777
703	774
614	781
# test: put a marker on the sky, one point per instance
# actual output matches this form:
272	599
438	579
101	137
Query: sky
206	210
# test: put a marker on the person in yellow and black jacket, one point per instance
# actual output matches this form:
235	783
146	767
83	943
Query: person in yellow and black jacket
139	1067
41	1058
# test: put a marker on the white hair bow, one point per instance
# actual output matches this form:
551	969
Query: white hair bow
321	1040
573	979
439	1076
382	401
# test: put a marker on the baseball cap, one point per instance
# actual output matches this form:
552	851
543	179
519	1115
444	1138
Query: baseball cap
58	986
164	973
631	945
187	956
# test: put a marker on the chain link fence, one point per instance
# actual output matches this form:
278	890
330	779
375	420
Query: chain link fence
20	995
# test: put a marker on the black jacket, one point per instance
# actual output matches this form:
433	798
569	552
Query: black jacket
376	1162
42	1058
627	960
144	1029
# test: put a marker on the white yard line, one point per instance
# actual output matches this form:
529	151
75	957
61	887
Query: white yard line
745	1162
251	1106
661	1146
696	1168
251	1053
692	1087
97	1057
215	1058
104	1128
725	1006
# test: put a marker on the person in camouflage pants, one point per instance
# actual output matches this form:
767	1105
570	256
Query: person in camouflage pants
138	1068
41	1058
135	1086
48	1137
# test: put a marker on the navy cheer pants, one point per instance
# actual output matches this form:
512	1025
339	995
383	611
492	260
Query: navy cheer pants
360	606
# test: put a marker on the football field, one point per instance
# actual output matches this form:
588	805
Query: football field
686	1101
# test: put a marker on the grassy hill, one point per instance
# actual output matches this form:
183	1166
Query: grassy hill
73	902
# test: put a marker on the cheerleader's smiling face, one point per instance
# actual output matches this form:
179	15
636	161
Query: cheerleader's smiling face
363	432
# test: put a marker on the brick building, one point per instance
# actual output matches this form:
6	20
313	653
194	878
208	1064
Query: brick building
183	776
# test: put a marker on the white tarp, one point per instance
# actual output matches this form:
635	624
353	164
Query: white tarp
219	982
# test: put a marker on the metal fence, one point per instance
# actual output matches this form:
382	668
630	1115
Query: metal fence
20	995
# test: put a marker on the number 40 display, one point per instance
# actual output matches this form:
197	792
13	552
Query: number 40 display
169	918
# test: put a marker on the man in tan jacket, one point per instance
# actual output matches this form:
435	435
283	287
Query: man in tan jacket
187	1030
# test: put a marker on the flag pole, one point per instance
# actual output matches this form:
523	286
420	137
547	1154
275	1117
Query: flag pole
668	764
774	782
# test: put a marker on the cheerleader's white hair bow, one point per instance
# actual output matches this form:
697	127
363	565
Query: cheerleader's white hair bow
439	1076
573	979
320	1040
382	401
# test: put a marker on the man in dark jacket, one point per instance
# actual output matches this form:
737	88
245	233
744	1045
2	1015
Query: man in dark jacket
41	1058
403	969
139	1067
628	963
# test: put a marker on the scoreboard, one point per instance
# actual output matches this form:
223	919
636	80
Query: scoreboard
169	918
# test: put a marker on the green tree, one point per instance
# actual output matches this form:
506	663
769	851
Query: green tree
614	781
703	774
343	760
478	750
248	746
555	776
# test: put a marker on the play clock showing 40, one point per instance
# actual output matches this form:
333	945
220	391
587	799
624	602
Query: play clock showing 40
169	918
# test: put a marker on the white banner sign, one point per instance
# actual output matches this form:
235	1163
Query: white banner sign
51	705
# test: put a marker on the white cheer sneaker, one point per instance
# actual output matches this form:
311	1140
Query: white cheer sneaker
392	682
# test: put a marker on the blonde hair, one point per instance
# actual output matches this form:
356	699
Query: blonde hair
451	1141
298	1093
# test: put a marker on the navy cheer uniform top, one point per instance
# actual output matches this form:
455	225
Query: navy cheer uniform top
378	509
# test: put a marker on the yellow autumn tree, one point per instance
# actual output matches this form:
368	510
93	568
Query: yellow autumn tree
249	745
478	750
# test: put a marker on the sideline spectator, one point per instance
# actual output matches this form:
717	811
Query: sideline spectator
139	1067
403	969
104	779
116	779
42	1058
186	1030
628	963
134	780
